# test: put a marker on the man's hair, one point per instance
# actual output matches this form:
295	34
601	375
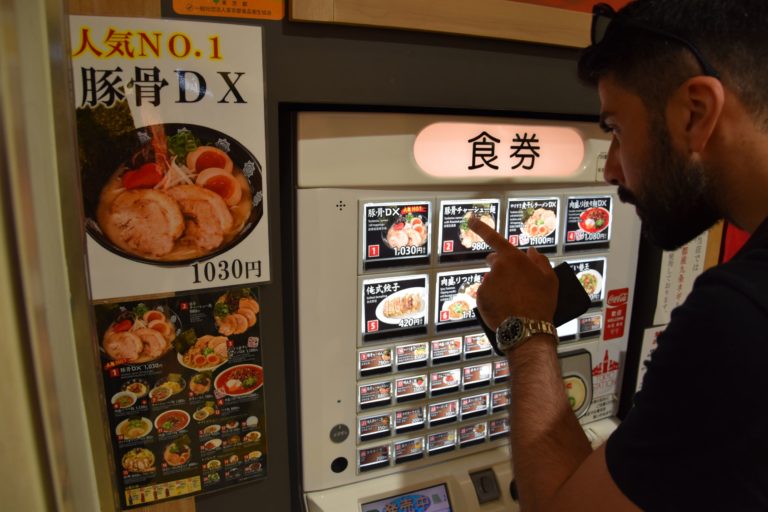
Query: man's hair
732	35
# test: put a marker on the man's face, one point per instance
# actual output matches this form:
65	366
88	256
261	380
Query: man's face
672	193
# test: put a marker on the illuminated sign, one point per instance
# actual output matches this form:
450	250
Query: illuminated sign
461	150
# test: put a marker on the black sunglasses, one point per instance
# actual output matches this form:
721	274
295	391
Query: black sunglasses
603	15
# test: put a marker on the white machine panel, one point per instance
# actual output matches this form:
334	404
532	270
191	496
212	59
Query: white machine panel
400	389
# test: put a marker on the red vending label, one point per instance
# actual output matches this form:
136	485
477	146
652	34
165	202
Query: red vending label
616	313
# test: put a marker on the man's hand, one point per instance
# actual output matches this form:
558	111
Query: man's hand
519	284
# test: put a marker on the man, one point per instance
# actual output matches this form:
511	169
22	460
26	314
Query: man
683	86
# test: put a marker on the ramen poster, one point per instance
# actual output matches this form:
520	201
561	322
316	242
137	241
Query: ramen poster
170	121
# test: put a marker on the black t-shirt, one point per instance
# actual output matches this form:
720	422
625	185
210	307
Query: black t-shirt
697	437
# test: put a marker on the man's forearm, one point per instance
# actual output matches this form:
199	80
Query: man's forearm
548	443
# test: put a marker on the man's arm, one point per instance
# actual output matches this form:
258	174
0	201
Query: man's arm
555	467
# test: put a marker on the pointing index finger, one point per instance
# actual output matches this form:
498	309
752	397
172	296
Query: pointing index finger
487	233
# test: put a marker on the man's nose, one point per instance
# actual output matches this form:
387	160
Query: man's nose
613	172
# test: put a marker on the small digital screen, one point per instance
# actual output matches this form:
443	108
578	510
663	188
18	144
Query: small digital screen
431	499
396	234
533	222
394	307
591	275
588	222
455	297
458	242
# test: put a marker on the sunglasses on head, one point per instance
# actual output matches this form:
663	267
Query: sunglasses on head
603	16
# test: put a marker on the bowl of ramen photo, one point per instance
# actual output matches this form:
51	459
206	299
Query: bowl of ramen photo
405	231
539	222
174	194
591	280
594	220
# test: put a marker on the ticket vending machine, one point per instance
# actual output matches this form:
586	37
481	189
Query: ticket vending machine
402	400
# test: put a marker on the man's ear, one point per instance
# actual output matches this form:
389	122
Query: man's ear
694	111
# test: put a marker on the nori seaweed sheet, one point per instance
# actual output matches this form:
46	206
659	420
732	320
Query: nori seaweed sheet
106	138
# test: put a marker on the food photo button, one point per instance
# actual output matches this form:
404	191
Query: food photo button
444	412
441	442
533	222
444	381
375	395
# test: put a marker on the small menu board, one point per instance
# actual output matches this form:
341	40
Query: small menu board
500	370
371	362
414	355
591	275
447	350
456	297
184	380
374	395
394	307
407	420
373	458
533	222
588	222
477	375
477	345
445	381
411	388
500	400
374	427
396	234
470	435
410	449
498	428
473	406
440	442
456	242
443	412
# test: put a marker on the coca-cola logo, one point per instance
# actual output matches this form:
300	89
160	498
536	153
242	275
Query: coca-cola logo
618	297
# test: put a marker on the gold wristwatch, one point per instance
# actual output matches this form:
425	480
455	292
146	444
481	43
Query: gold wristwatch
515	330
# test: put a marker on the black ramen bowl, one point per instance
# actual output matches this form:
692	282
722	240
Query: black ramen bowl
127	150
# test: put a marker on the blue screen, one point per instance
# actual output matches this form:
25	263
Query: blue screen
431	499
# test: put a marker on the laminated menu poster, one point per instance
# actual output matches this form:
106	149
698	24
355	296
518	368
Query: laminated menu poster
171	135
183	378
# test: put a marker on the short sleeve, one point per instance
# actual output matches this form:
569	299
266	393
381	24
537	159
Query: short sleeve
697	436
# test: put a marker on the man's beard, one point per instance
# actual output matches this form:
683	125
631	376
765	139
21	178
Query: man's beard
676	200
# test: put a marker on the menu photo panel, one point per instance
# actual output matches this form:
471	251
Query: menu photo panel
396	234
393	307
591	273
533	222
588	222
456	241
455	298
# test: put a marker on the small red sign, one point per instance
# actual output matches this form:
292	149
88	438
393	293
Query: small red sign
618	297
616	313
513	240
373	325
373	251
448	246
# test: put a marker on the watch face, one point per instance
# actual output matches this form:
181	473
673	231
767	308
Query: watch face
510	331
515	329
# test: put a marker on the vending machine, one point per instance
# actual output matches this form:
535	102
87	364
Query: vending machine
403	402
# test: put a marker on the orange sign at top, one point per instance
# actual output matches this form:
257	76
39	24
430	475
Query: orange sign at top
246	9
